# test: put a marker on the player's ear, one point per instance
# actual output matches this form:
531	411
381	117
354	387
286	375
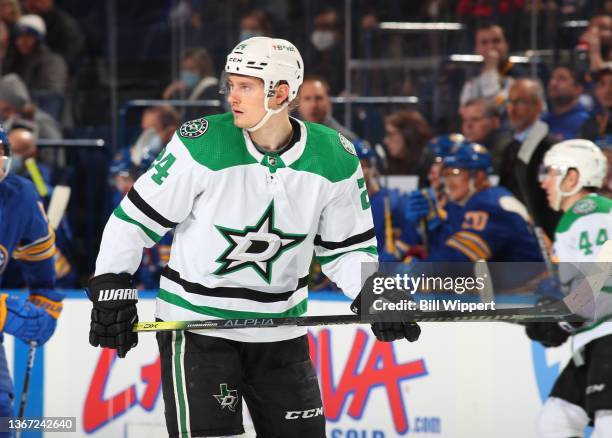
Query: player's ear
571	179
282	94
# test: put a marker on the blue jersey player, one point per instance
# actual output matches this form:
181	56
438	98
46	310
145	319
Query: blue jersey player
493	225
430	207
26	236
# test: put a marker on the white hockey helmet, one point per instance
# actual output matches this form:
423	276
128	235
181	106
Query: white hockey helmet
584	156
272	60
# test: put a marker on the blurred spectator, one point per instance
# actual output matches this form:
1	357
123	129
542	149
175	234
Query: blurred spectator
567	114
406	134
158	125
599	123
523	157
605	143
40	68
16	109
10	11
315	105
254	24
481	123
197	81
328	49
5	40
64	34
597	41
497	73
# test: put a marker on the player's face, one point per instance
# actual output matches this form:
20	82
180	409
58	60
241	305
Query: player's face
246	99
456	183
548	183
4	163
314	102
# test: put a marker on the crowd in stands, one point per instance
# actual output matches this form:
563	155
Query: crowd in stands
56	80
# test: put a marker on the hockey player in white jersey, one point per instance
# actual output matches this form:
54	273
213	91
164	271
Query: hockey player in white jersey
251	194
575	170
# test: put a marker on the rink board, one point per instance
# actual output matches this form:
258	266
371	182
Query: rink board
459	380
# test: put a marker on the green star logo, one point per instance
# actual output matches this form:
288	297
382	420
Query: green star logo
256	247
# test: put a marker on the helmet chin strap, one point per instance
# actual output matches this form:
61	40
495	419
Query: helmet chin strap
560	193
269	113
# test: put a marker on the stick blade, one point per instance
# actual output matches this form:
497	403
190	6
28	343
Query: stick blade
58	204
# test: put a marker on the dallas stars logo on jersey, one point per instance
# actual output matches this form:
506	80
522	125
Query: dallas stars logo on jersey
257	246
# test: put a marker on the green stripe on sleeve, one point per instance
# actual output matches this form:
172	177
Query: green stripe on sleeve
121	214
326	259
169	297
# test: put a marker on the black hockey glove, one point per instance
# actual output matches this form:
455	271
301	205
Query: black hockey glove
549	334
389	325
114	312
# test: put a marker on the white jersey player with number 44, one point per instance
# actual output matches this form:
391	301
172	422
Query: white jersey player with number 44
575	170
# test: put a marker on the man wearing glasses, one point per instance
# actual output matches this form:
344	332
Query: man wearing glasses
523	157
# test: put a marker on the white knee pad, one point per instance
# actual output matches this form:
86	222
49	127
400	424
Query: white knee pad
603	424
560	418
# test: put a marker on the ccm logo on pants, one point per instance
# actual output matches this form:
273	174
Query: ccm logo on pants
294	415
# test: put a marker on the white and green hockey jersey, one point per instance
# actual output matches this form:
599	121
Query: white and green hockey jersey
246	224
579	236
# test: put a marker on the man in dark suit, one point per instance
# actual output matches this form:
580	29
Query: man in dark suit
519	171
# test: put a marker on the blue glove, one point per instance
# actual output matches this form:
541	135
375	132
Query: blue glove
25	320
416	207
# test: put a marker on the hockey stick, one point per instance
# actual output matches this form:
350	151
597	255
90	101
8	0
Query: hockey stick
544	250
37	178
26	382
554	312
57	205
481	270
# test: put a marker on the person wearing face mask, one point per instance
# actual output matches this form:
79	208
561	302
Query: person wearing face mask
253	24
158	124
327	50
197	82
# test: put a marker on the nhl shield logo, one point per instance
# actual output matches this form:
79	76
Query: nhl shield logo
347	145
194	128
